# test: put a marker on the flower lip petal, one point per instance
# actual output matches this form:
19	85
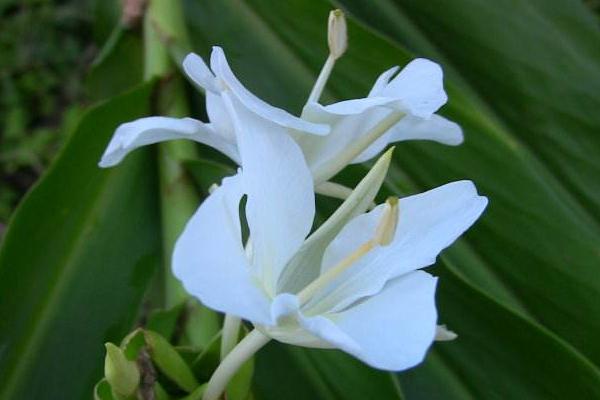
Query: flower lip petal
395	328
281	117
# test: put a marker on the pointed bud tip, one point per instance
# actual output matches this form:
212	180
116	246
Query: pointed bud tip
337	36
122	374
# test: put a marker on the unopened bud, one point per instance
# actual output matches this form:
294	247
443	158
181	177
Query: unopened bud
121	373
386	229
337	35
168	360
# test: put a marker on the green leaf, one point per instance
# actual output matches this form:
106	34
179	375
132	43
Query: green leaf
318	374
523	361
76	259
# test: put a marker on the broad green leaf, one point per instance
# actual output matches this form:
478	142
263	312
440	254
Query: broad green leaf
284	371
522	362
75	261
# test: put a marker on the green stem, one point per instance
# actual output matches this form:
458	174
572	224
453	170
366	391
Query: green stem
230	335
164	24
232	363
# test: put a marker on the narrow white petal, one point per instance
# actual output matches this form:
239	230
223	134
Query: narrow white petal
419	87
436	128
281	205
382	81
218	116
281	117
209	258
197	70
394	328
144	131
427	223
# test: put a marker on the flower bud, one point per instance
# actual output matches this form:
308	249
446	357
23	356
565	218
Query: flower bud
168	360
122	374
337	36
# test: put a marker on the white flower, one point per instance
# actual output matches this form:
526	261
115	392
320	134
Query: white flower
353	284
397	108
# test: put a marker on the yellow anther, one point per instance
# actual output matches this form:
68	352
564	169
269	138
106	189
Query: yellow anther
337	36
384	234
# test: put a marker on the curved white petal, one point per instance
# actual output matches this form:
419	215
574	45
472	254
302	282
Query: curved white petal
419	87
326	114
427	223
394	328
144	131
281	205
218	116
281	117
221	68
382	81
436	128
209	257
197	70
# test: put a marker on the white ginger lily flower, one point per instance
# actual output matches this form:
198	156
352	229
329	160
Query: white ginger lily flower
353	284
397	108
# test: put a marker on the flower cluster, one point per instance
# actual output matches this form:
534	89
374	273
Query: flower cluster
354	283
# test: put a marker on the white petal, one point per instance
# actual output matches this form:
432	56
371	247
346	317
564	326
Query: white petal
419	87
218	116
197	70
382	81
131	135
221	68
436	128
427	223
394	328
281	205
209	257
325	114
